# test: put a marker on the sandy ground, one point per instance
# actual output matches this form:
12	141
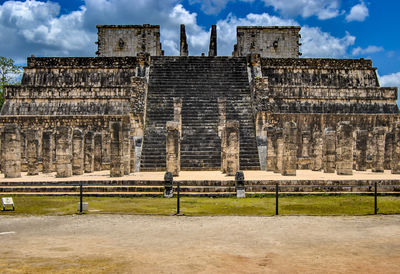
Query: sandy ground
171	244
213	175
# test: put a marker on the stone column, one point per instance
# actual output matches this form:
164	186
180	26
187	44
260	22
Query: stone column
329	150
396	149
126	148
89	155
173	150
223	150
271	156
317	148
63	152
116	146
278	146
178	114
305	149
388	150
361	147
47	151
289	161
98	146
77	152
213	41
344	150
11	142
379	152
183	45
133	155
232	147
32	146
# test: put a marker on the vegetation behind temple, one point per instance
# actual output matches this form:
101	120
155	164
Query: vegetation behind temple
9	74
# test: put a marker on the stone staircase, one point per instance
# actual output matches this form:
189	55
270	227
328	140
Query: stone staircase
199	82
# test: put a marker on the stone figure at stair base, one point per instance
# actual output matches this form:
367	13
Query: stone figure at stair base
289	161
63	152
329	150
32	147
116	153
11	150
232	147
173	150
77	152
379	151
47	151
344	149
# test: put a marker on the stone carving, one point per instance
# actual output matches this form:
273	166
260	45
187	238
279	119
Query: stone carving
379	152
213	41
240	188
98	145
89	155
329	150
32	151
183	50
126	148
271	155
317	150
47	151
396	149
361	147
278	146
116	153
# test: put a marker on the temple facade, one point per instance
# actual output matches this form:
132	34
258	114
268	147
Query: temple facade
133	109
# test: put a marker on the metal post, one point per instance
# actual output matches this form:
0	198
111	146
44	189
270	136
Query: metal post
376	199
178	202
276	199
81	198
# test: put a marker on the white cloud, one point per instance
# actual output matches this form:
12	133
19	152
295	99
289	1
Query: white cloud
316	43
367	50
358	13
323	9
390	80
214	6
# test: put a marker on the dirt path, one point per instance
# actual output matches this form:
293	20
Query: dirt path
143	244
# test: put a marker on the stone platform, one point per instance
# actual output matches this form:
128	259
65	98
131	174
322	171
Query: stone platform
205	183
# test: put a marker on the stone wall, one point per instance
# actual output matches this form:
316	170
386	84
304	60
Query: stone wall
282	42
128	40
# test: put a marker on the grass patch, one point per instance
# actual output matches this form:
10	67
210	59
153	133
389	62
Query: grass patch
200	206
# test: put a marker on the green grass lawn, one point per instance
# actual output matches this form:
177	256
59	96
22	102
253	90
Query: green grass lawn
251	206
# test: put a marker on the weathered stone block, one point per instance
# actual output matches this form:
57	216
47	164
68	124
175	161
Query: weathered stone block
173	150
388	150
278	146
64	152
133	155
47	151
271	155
344	149
317	151
126	148
116	153
361	147
289	162
98	155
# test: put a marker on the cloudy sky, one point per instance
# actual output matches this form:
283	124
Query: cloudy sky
330	28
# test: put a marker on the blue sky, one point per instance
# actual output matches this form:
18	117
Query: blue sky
330	28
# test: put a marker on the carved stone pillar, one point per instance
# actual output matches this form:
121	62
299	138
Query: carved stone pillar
379	152
98	147
329	150
133	155
183	43
271	156
317	149
289	162
126	148
232	147
223	150
64	152
388	150
396	149
361	147
116	154
47	151
278	146
11	142
173	149
213	41
344	150
89	155
32	147
77	152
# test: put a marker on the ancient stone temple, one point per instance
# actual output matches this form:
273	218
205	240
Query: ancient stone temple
82	114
